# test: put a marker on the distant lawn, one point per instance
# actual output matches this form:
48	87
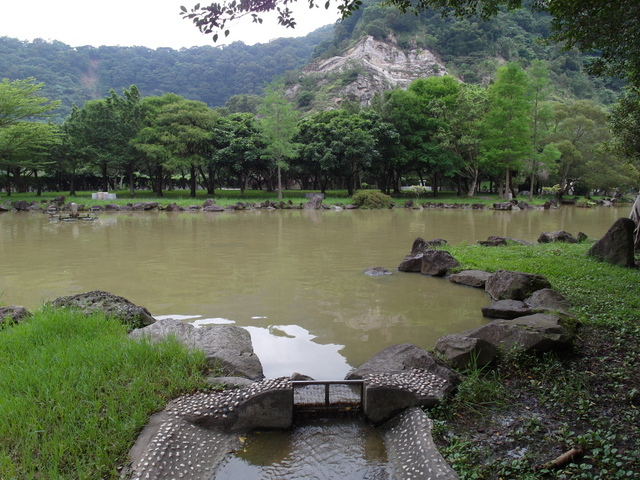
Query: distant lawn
75	392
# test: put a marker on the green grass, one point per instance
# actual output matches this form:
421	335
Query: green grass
181	197
586	396
75	392
599	292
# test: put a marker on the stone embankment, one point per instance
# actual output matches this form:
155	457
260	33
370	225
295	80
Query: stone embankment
59	205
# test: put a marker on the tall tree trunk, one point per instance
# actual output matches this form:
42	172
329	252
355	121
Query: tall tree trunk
105	178
158	183
132	182
192	181
279	182
72	184
473	184
507	185
38	185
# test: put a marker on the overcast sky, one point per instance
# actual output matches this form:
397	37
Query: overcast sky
149	23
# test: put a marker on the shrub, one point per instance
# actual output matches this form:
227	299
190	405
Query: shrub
372	199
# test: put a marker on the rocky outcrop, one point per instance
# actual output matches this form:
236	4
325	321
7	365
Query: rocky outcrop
617	245
380	65
228	346
112	305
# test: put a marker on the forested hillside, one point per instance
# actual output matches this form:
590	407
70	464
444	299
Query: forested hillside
208	74
472	49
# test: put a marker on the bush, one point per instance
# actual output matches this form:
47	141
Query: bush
372	199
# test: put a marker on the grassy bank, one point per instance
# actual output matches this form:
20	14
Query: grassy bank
511	420
228	197
75	392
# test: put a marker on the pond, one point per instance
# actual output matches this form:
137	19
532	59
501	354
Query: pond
293	278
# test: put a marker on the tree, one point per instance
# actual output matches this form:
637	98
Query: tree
418	114
462	135
625	125
278	122
242	153
337	144
19	101
506	132
543	157
178	133
578	131
24	142
608	28
127	111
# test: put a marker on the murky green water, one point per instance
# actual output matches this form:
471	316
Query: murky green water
318	450
294	279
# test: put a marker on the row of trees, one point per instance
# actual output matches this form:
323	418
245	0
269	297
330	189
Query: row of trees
438	131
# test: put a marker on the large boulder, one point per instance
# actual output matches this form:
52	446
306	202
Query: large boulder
13	314
505	284
617	245
559	236
21	205
503	206
533	333
228	346
437	263
461	351
411	263
112	305
315	202
548	300
471	278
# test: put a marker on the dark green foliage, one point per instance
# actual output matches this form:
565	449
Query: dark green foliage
372	199
208	74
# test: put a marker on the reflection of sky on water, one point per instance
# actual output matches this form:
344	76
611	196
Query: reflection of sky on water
285	349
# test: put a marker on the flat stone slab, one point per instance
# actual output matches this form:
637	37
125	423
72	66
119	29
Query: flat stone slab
507	309
411	449
471	278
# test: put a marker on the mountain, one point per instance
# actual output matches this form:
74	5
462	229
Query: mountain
375	49
378	48
210	74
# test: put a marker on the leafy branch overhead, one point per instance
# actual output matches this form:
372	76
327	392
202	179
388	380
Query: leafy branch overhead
607	29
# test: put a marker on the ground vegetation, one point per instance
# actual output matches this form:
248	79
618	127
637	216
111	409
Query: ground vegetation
513	419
